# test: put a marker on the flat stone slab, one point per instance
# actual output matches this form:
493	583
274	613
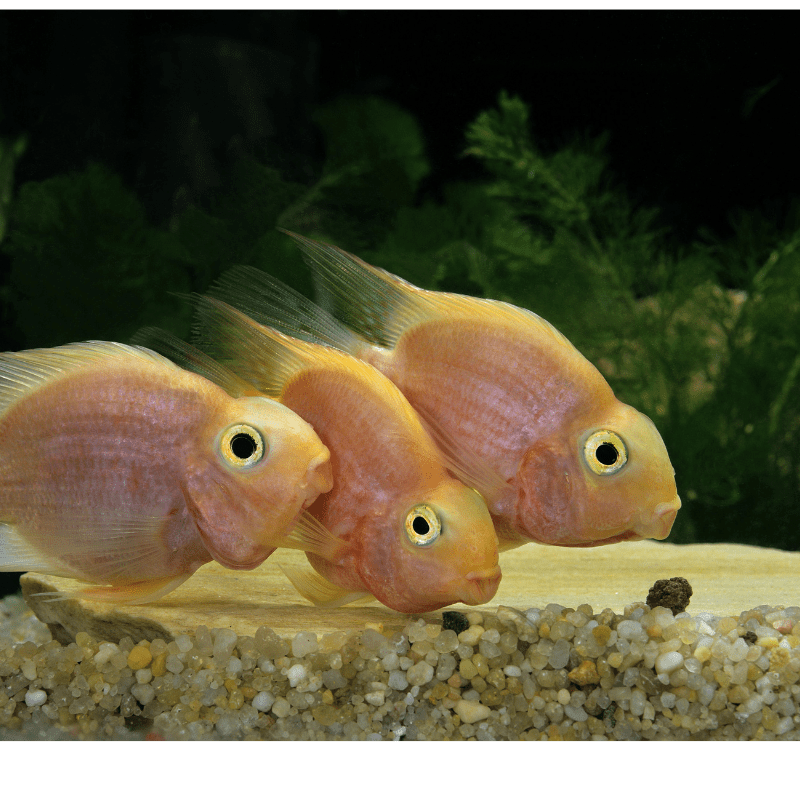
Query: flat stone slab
726	580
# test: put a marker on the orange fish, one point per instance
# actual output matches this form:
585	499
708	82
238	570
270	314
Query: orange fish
522	416
413	537
118	467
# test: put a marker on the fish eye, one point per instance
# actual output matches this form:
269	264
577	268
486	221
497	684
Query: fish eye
423	525
242	445
605	453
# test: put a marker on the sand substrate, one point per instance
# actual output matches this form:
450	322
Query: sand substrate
541	673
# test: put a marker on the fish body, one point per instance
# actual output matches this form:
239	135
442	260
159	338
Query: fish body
118	467
521	415
414	537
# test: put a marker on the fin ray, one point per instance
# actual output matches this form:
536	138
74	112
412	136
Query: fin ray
318	590
312	536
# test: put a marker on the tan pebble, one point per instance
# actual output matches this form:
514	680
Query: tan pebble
738	694
231	684
584	674
779	658
249	692
544	630
327	697
159	666
615	660
554	732
374	626
439	691
471	711
467	669
455	681
601	633
139	657
653	631
726	625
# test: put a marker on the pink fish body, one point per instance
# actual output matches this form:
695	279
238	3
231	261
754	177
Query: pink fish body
118	467
522	416
408	533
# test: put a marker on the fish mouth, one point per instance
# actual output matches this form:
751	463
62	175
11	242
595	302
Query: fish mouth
480	586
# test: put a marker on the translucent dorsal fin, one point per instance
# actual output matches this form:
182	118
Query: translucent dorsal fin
377	305
270	302
381	306
24	372
191	358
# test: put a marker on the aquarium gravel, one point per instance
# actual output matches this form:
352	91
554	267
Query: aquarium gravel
555	673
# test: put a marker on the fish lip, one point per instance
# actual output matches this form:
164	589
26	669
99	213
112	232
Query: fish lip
480	586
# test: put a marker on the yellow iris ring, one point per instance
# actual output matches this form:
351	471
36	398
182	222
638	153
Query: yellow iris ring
423	525
242	445
601	462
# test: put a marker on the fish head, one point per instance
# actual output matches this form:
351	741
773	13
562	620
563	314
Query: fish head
628	487
609	479
251	475
442	549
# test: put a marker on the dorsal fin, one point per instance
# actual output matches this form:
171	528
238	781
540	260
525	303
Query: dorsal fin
269	359
270	302
380	306
24	372
377	305
191	358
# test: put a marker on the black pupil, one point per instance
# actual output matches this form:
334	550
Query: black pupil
420	526
607	454
243	445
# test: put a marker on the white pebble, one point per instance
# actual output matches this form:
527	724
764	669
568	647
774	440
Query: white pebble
143	692
281	708
234	666
375	698
420	673
28	669
263	701
35	697
668	700
397	680
630	629
577	714
105	651
638	699
184	643
295	674
668	662
739	650
224	642
304	643
471	711
143	675
512	671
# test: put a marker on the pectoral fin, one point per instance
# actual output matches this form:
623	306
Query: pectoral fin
311	535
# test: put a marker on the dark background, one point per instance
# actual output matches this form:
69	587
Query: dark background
701	107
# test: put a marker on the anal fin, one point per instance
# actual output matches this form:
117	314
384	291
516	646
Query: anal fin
129	593
320	591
